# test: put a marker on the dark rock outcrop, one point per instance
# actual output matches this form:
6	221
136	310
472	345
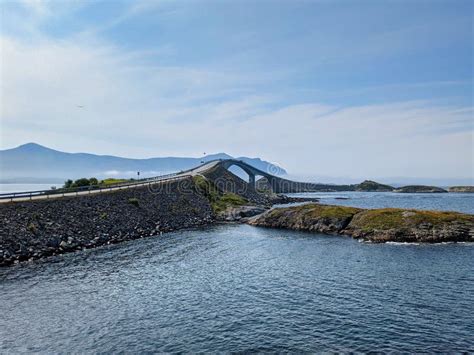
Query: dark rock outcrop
380	225
241	212
419	189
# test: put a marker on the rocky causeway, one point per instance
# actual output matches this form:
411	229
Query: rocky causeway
36	229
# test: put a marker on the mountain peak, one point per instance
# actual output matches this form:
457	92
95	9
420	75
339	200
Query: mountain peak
32	146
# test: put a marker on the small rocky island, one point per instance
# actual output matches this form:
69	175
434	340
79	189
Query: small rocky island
372	186
420	189
459	189
378	225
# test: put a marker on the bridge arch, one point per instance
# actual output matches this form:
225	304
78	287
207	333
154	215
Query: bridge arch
251	171
238	171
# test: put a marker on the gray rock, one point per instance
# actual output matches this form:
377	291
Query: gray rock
238	213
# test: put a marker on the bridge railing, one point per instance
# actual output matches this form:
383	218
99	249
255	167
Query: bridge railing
64	192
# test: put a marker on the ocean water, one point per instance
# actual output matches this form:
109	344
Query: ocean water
460	202
238	288
27	187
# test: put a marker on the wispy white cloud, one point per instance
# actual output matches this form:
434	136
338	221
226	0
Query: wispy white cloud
133	110
134	107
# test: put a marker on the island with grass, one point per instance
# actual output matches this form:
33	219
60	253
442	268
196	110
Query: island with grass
410	189
375	225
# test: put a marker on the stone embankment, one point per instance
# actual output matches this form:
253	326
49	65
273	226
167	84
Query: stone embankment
36	229
379	225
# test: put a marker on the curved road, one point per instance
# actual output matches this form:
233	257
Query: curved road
10	197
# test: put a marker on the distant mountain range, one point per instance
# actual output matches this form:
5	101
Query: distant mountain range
34	163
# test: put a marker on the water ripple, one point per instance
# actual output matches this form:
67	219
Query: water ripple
236	288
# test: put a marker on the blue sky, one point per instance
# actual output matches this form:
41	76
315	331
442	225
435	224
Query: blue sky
329	88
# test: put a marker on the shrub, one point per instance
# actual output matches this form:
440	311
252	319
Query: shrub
32	228
133	201
81	182
93	181
67	184
219	202
227	200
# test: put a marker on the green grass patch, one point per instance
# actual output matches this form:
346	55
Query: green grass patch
219	201
134	201
206	188
228	200
324	211
111	181
32	228
391	218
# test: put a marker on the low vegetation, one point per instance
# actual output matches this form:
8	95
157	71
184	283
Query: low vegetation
325	211
112	181
134	201
219	201
32	228
227	200
83	182
313	210
394	218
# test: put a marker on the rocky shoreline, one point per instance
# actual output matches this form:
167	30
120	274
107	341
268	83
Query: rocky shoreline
36	229
378	225
32	230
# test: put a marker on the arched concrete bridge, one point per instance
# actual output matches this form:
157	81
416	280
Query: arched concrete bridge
251	171
275	183
199	170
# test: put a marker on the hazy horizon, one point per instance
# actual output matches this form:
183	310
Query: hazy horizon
321	177
339	89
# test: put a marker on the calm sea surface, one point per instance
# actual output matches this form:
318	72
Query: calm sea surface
461	202
27	187
241	288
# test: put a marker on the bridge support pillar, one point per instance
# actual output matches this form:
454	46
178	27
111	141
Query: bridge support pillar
252	181
274	185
